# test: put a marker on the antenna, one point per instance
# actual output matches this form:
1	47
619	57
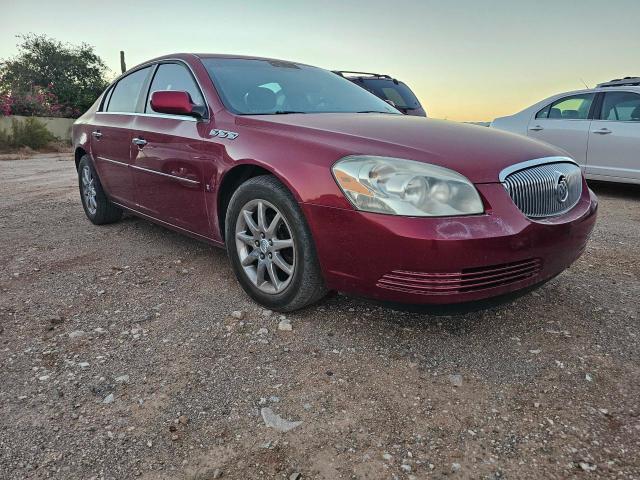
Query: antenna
585	83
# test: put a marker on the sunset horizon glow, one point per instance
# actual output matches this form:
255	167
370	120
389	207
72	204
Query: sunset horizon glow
465	60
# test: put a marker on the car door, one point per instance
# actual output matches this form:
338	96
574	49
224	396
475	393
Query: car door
614	143
169	164
565	123
111	137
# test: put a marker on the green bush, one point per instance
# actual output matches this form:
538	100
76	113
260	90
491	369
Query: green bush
5	140
31	132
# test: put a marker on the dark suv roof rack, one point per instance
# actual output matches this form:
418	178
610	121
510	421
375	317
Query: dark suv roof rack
343	73
621	82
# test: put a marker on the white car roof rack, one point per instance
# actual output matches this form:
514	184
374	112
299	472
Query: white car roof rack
621	82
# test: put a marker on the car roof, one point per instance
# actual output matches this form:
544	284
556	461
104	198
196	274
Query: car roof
621	88
615	85
245	57
191	56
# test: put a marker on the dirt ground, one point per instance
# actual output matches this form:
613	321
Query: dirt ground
120	357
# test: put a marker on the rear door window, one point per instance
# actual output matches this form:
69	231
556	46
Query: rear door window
621	107
575	107
175	77
126	93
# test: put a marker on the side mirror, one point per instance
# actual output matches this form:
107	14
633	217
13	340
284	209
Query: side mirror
175	103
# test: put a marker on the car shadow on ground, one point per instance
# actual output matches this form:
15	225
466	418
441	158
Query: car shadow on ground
494	303
626	191
171	238
454	318
424	325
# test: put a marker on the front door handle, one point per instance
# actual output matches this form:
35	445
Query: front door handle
537	128
602	131
140	142
96	134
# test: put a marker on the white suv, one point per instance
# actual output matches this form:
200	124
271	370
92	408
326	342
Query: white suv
598	127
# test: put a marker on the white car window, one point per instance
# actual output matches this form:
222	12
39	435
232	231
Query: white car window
621	106
575	107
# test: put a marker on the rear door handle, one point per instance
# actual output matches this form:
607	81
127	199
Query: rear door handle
140	142
537	128
96	134
602	131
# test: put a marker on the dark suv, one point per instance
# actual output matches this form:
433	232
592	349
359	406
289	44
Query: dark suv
388	89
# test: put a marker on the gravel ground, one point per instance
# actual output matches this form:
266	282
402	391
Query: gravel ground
122	356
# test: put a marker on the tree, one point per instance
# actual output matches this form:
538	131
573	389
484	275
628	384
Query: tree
75	74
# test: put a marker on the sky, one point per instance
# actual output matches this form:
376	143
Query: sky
466	60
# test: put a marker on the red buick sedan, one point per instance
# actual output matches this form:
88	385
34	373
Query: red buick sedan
314	184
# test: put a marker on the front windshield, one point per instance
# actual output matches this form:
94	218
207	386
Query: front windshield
269	87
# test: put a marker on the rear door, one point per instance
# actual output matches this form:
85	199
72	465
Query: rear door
169	164
565	123
111	137
614	143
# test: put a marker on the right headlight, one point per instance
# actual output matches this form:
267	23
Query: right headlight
405	187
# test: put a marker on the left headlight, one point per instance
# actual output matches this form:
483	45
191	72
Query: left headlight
405	187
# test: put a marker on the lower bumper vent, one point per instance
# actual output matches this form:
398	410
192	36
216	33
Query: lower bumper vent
467	280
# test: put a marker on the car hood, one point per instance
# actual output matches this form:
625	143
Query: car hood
477	152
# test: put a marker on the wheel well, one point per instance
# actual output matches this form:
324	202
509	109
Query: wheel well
79	153
230	183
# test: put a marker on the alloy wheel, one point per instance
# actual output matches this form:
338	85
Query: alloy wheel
265	246
89	190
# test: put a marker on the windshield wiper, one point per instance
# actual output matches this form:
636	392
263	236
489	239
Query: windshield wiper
285	112
373	111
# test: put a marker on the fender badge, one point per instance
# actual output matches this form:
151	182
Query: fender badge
224	134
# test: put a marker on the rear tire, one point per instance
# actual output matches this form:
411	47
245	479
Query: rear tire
98	208
270	246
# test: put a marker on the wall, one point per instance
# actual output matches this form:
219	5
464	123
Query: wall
60	127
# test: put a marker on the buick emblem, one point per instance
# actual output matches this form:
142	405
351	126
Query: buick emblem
562	189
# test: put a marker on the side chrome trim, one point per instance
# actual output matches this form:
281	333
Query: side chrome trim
148	170
186	118
533	163
115	162
174	177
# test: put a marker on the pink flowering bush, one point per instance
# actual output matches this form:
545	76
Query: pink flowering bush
5	105
39	102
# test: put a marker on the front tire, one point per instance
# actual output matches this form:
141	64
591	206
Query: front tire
270	246
98	208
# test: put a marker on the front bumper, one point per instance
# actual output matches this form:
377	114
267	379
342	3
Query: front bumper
447	260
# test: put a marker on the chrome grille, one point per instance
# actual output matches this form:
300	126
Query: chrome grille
545	190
